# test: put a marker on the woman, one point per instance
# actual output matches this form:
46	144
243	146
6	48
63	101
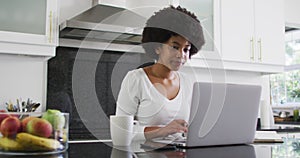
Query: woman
158	95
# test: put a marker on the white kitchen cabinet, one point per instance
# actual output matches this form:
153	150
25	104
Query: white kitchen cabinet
207	12
252	31
269	31
146	8
29	27
237	29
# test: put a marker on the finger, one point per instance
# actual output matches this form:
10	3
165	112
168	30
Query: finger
183	130
171	129
182	123
186	124
175	129
176	126
180	128
186	130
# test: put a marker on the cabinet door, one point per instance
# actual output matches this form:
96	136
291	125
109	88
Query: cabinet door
28	21
208	12
237	33
269	29
146	8
204	10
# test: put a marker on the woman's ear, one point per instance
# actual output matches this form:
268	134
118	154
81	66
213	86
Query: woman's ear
158	49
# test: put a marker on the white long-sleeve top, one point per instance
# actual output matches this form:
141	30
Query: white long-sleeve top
139	97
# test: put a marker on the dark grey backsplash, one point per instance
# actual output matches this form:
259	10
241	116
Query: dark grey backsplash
110	71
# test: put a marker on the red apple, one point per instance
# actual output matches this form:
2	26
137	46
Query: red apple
39	127
10	126
3	115
25	121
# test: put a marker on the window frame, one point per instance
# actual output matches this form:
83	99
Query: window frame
287	68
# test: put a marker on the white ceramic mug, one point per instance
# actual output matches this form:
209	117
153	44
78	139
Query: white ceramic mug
121	130
121	152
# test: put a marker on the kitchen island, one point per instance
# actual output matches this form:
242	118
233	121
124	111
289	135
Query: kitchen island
96	149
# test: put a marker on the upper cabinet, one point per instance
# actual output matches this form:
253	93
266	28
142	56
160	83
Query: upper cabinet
29	27
269	31
206	11
252	31
146	8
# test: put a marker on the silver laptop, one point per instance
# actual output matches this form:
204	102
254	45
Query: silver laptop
222	114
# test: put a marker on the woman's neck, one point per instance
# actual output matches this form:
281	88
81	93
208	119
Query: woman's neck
161	71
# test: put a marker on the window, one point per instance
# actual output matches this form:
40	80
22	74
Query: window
285	87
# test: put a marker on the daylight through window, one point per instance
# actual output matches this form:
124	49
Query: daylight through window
285	87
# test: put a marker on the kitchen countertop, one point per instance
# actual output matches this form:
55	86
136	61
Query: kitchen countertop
281	127
98	149
288	122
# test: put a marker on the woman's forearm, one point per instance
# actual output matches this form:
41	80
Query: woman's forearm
152	132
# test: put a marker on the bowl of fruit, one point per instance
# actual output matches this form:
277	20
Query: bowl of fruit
33	133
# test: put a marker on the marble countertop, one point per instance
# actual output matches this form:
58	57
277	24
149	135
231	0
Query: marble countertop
96	149
281	127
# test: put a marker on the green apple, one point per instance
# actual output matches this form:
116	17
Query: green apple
55	117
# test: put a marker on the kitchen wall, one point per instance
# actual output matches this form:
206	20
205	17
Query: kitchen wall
22	77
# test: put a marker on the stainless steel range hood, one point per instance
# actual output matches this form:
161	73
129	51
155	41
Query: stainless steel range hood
115	26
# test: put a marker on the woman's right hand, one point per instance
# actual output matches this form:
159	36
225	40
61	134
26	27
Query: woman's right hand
176	126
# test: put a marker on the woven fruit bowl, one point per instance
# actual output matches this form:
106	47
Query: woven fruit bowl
33	133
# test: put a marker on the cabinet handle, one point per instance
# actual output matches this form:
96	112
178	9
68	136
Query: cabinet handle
50	27
252	48
260	52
